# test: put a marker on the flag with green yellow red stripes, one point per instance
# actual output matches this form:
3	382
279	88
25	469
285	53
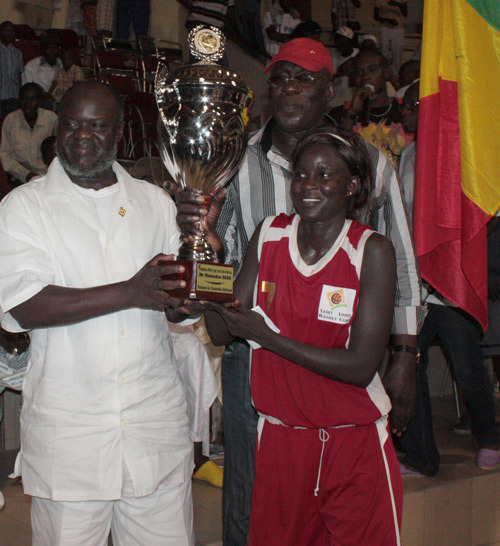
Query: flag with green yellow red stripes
457	187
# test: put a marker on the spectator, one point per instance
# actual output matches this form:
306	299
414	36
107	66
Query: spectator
309	29
13	362
371	112
251	25
408	73
11	68
491	340
344	49
459	335
89	16
135	13
344	14
43	70
278	24
36	13
22	134
69	74
368	41
390	14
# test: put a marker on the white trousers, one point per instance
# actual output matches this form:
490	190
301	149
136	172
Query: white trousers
392	40
164	518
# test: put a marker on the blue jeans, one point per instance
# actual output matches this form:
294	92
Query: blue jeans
240	433
132	11
459	338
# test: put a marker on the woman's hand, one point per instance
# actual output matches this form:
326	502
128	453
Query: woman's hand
242	322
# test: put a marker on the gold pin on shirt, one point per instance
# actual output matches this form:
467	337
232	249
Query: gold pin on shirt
122	212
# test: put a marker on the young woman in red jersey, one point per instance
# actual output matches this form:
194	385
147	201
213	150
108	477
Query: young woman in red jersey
322	287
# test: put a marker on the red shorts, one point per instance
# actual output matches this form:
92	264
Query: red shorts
359	496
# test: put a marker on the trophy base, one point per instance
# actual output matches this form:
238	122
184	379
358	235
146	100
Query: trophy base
204	280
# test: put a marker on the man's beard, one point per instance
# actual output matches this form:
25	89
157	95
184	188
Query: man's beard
104	164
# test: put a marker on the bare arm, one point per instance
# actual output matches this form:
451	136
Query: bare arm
58	305
243	291
369	333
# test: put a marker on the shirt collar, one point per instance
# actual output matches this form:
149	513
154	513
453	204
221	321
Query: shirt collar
59	182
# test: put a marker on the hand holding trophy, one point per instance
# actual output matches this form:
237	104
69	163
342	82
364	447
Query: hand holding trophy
203	136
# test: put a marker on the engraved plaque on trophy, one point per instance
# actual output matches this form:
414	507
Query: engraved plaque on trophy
202	137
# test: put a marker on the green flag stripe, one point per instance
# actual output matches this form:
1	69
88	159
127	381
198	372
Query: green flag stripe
489	11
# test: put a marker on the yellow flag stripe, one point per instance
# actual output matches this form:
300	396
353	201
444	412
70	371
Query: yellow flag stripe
478	69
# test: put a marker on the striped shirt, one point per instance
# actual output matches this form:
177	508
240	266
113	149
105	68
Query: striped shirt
66	79
209	12
262	188
11	66
345	12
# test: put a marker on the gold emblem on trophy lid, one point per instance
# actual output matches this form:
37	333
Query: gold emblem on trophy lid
206	44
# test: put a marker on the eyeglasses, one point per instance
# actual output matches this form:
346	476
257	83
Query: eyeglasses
303	80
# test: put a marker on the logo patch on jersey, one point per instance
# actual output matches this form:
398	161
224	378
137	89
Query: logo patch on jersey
336	304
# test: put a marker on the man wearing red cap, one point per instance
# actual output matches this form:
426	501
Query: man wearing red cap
300	88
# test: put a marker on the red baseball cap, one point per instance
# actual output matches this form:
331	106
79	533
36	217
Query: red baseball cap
306	53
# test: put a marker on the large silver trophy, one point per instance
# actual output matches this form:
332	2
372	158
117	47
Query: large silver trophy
203	136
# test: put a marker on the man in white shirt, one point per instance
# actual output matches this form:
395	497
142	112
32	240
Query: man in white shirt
278	24
104	426
43	70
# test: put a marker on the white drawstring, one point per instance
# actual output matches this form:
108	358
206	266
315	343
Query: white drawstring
324	437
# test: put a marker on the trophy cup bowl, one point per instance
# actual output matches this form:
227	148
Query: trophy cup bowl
202	133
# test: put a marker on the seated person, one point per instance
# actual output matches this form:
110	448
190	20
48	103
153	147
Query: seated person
371	112
325	285
69	74
22	134
42	70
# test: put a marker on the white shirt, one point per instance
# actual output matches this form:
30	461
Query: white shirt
39	71
285	26
105	390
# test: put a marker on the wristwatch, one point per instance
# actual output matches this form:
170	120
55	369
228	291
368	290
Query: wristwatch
408	349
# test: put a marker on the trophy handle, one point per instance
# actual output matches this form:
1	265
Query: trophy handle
162	73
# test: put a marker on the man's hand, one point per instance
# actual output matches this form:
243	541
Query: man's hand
14	344
149	287
400	384
192	214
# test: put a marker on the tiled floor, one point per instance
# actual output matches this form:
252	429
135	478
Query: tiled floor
459	507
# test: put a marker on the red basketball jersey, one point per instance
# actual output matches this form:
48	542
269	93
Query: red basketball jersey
313	304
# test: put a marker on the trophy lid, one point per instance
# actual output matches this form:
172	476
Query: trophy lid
206	44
